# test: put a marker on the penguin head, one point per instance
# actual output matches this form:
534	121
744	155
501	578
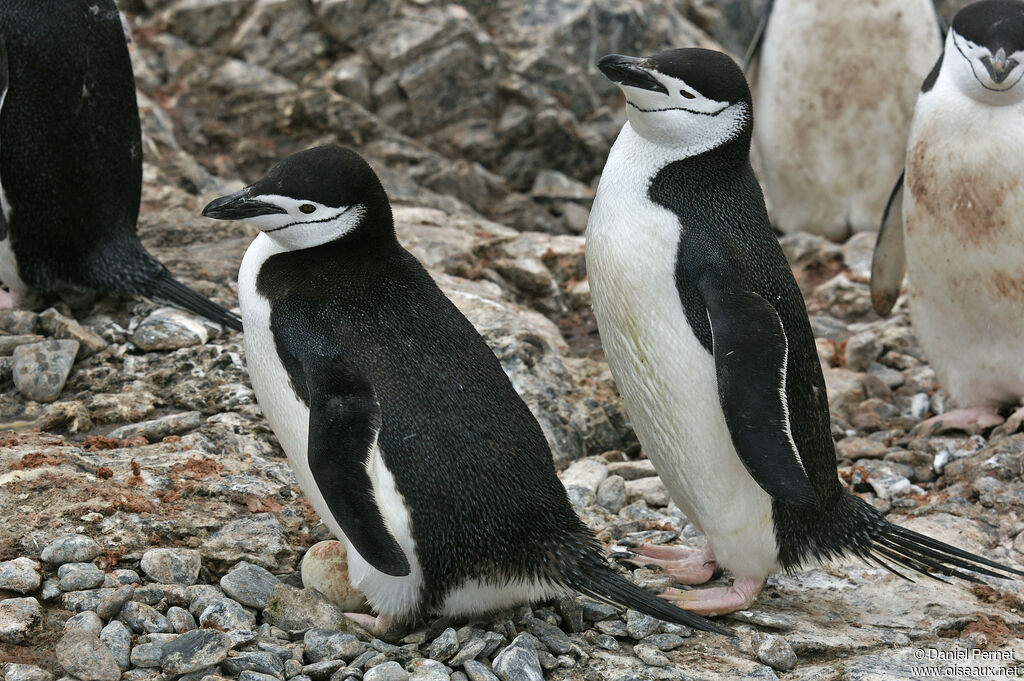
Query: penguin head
692	98
311	198
986	49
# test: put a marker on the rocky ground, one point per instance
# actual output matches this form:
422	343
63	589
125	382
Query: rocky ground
150	527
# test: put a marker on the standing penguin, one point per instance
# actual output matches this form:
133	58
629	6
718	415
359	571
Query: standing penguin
708	340
398	420
961	206
71	159
834	95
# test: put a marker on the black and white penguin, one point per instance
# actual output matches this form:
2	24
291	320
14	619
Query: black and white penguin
957	218
71	159
398	420
708	340
834	92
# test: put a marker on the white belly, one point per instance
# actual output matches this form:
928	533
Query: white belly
963	213
834	97
289	418
666	378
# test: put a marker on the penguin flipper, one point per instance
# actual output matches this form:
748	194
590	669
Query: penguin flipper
344	421
4	80
887	262
751	352
754	48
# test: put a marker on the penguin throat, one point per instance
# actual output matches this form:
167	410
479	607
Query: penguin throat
688	132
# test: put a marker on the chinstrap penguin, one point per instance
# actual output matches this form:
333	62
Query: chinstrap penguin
708	340
956	219
71	159
398	420
834	93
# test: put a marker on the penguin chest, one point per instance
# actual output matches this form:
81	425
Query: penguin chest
288	416
667	378
964	220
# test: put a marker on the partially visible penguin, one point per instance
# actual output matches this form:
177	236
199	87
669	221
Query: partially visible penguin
708	340
71	159
959	215
834	93
398	420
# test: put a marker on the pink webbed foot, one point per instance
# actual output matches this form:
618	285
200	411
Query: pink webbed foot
971	420
8	299
384	628
686	565
718	600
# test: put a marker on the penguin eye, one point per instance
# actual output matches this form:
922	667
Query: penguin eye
307	208
687	94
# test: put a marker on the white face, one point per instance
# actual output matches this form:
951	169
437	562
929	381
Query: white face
305	224
683	117
970	67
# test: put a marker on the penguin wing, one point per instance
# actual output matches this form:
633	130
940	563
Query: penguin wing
344	422
888	259
754	48
3	96
751	354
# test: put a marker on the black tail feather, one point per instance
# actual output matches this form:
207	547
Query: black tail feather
602	583
170	289
931	557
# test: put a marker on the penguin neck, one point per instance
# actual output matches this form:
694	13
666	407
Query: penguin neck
730	156
375	232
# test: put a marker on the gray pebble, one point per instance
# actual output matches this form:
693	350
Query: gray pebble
428	670
775	652
79	576
226	614
494	640
322	670
478	671
195	650
459	676
79	601
470	650
241	637
150	594
25	672
142	618
172	566
445	645
119	640
571	610
648	654
71	548
50	590
18	616
201	596
126	576
518	662
553	638
363	659
41	369
259	661
547	660
677	629
85	657
299	609
292	668
277	647
605	642
249	675
84	621
640	625
249	584
112	603
612	628
20	575
664	642
389	671
181	620
147	655
325	644
611	495
596	612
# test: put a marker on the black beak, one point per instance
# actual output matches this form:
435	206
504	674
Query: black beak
239	206
629	71
999	67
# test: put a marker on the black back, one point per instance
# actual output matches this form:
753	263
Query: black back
725	228
465	451
993	24
70	145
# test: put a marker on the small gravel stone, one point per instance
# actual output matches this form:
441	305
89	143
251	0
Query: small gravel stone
775	652
470	650
181	620
249	584
640	625
25	672
299	609
478	671
142	618
85	657
585	473
664	642
648	654
596	612
20	575
571	610
258	661
201	596
292	668
79	576
518	662
389	671
611	495
50	590
553	638
84	621
428	670
150	594
168	328
612	628
195	650
249	675
157	429
126	576
606	642
322	670
54	324
172	566
226	614
41	369
445	645
119	640
71	548
112	603
147	655
18	616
